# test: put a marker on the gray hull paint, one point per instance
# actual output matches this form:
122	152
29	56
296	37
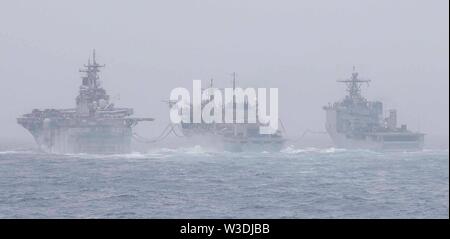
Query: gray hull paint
105	140
341	140
355	123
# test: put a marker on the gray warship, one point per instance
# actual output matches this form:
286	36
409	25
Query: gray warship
357	123
234	137
94	126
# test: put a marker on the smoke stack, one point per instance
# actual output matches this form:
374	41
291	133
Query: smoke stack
392	120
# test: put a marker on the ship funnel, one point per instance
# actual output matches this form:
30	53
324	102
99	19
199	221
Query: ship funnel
392	120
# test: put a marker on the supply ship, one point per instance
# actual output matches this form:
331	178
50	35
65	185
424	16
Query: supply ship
357	123
94	126
235	137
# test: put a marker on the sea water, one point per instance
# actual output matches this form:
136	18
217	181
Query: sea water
195	182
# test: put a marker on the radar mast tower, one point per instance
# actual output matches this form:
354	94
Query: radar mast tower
354	84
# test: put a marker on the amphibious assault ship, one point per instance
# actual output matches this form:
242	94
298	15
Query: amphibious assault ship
357	123
94	126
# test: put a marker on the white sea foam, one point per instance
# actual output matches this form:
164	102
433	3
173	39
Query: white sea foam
194	150
332	150
17	152
201	151
293	150
9	152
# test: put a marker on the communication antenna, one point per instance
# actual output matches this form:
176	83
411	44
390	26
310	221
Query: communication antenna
91	70
354	84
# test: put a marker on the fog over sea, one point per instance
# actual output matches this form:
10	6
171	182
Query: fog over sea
198	182
301	48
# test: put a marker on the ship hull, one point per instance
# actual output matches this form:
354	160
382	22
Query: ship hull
378	141
342	141
91	140
210	135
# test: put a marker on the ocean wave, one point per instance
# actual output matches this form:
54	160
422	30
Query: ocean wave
9	152
151	154
133	155
19	152
200	151
293	150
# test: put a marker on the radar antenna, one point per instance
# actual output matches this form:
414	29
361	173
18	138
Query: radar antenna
91	70
354	84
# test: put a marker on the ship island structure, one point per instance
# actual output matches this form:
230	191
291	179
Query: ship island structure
356	123
94	126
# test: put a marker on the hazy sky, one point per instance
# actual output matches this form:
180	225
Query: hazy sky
301	47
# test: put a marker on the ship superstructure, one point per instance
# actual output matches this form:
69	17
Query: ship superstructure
358	123
94	126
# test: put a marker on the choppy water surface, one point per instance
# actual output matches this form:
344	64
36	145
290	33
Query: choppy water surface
197	183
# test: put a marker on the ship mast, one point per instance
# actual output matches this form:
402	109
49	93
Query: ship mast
91	95
354	84
91	70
